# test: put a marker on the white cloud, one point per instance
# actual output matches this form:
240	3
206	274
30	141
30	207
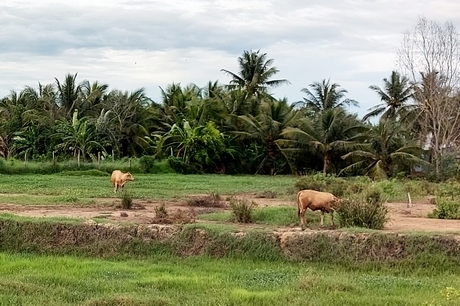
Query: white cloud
133	44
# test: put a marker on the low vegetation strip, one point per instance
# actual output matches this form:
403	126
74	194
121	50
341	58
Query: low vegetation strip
108	240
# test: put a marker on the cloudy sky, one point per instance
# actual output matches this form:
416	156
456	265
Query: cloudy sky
153	43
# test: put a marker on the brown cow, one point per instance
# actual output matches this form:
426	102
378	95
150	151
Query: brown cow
315	200
119	179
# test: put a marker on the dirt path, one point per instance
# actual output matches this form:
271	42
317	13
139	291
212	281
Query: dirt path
401	218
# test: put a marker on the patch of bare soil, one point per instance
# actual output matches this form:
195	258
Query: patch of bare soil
401	217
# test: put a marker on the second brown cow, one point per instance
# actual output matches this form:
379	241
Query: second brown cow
315	200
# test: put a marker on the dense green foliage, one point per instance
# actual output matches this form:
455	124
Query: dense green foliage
238	128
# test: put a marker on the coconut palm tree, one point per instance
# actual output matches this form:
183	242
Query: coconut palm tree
267	128
254	73
395	95
324	95
68	95
77	135
331	132
387	147
129	120
93	95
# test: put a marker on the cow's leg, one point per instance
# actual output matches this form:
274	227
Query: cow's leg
302	218
115	188
332	217
322	217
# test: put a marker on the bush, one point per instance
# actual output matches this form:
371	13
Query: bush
446	209
160	211
180	166
146	163
366	210
450	188
242	210
126	200
321	182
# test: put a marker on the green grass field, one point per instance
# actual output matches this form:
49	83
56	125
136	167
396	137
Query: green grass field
32	279
49	189
49	280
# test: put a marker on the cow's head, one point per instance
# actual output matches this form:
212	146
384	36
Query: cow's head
128	177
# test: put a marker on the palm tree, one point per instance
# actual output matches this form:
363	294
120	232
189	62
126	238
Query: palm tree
395	94
68	97
92	98
325	96
12	119
386	148
254	73
332	131
77	135
129	121
267	128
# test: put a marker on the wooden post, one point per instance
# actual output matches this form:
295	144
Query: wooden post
25	160
129	163
99	159
54	160
78	159
113	157
409	200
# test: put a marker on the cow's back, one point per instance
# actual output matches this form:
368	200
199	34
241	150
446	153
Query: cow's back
116	176
315	199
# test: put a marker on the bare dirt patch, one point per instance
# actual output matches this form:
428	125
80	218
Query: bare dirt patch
401	217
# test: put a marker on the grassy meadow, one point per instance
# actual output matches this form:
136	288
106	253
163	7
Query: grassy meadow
61	188
28	277
65	280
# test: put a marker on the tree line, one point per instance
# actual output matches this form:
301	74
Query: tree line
240	127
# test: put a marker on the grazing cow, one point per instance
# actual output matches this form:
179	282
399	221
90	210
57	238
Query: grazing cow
315	200
119	179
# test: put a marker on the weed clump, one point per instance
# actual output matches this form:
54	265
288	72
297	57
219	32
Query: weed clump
126	200
242	210
366	210
160	211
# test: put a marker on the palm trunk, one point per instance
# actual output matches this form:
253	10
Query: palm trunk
325	164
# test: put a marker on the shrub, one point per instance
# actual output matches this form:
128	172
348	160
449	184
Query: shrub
366	210
126	200
146	163
321	182
180	166
242	210
446	209
160	211
450	188
388	187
